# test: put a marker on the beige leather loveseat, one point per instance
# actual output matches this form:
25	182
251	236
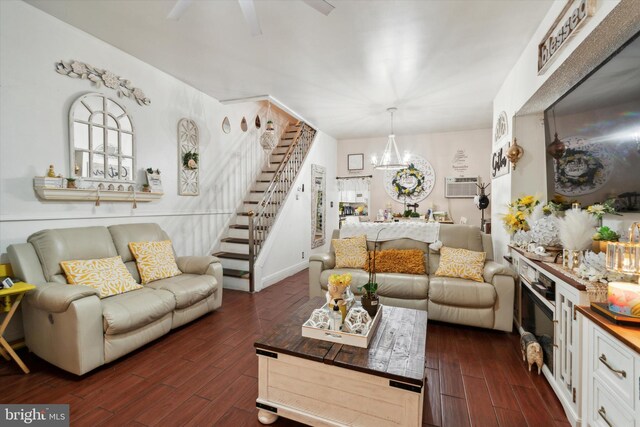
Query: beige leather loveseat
466	302
72	328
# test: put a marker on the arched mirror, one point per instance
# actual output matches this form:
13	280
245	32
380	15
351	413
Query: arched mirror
102	139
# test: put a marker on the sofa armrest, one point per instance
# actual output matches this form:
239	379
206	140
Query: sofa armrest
196	264
492	269
56	297
328	260
317	264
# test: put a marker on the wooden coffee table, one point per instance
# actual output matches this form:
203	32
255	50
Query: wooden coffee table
320	383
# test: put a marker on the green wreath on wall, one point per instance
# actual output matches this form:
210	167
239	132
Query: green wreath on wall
408	182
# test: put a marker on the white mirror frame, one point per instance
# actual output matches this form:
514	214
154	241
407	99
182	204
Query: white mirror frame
318	205
72	146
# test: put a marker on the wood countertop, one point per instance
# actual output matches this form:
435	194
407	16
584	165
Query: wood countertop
555	271
629	335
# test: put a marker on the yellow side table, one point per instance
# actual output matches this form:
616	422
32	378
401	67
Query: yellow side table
10	299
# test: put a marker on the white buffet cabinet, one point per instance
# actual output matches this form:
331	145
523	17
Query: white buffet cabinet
566	378
612	373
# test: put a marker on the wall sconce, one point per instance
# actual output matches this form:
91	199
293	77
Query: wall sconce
515	153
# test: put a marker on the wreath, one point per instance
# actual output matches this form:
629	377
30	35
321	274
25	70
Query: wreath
578	168
407	174
190	160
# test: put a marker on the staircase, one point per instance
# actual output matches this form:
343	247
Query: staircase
252	223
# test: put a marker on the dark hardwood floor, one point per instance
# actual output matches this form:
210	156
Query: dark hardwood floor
205	374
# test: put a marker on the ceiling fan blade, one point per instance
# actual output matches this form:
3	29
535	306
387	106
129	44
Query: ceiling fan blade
179	9
321	6
248	8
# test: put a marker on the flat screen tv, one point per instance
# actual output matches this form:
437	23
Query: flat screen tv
598	123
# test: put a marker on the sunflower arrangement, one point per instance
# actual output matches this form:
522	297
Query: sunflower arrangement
517	213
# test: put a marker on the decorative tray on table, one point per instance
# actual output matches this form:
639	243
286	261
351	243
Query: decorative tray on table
361	337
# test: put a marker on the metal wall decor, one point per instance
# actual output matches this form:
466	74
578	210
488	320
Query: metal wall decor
411	184
226	125
502	127
188	158
99	77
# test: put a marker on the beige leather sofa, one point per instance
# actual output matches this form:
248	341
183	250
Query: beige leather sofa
465	302
70	327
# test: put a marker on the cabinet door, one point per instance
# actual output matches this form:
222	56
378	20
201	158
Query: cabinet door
567	336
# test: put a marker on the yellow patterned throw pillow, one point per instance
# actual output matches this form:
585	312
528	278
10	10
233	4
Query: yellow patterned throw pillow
461	263
351	252
155	260
109	275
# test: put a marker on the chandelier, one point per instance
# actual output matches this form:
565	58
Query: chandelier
391	158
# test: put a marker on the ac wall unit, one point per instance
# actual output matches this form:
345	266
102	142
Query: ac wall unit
458	188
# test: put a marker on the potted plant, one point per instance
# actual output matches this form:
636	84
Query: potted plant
146	188
369	298
71	183
602	237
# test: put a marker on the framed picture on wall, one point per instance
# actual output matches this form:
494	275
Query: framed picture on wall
355	162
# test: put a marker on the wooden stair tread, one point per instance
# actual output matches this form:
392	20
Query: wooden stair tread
235	240
251	202
245	227
232	255
240	274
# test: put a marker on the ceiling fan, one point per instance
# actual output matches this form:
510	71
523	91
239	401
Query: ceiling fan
248	8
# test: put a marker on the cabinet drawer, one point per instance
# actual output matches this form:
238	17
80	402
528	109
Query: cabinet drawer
605	409
613	364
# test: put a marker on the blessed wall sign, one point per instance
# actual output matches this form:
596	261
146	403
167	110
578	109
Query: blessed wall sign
572	17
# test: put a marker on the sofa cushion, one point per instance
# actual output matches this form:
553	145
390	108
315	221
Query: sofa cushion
132	310
461	263
108	275
461	292
351	252
409	261
458	236
155	260
187	289
394	285
124	233
63	244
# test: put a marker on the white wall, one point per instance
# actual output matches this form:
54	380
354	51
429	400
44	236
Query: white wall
439	149
525	89
34	107
282	254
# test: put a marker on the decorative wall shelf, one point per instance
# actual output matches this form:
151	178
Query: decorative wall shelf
91	194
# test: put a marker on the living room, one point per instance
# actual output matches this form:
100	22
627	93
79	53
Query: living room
248	141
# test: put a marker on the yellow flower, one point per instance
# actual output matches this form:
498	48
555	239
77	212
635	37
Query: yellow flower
527	200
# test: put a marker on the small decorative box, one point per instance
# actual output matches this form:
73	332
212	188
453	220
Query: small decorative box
340	337
45	181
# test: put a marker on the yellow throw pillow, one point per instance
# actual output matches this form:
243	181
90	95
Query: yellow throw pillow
155	260
407	261
109	275
461	263
351	252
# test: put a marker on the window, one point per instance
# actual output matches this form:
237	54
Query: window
102	140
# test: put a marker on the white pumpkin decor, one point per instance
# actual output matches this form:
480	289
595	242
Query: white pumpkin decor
546	231
521	238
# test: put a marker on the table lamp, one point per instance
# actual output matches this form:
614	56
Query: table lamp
623	298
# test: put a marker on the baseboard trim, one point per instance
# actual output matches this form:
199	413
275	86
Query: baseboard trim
274	278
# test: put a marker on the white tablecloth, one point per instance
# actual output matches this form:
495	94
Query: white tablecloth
427	232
